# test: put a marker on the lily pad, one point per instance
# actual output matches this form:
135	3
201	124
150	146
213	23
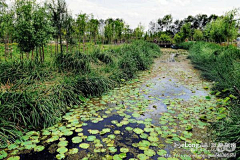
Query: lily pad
39	148
76	139
60	156
14	158
124	150
63	143
112	149
73	151
3	154
162	152
149	152
91	138
62	150
142	157
138	130
84	145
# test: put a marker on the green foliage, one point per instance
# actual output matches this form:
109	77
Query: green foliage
77	63
165	38
221	64
34	104
16	70
223	28
186	45
186	31
178	38
198	35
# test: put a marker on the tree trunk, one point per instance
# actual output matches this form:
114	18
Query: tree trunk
79	45
40	54
5	44
57	45
36	58
43	54
32	54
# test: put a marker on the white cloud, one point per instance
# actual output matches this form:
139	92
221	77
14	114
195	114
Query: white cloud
135	11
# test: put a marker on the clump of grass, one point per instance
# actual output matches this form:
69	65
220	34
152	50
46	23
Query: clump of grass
92	85
104	57
76	63
10	72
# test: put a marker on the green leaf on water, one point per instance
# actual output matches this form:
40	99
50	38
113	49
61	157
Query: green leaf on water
91	138
112	149
63	143
73	151
138	130
111	136
142	157
76	139
60	156
78	130
149	152
62	150
129	128
12	146
117	132
84	145
189	128
93	131
124	150
39	148
162	152
3	154
153	139
14	158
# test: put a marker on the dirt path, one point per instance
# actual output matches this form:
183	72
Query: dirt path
148	118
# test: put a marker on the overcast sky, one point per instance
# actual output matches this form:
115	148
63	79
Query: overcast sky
135	11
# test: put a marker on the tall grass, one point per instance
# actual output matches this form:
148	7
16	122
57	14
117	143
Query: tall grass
10	72
222	65
34	104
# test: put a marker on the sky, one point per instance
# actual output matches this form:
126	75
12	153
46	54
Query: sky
135	11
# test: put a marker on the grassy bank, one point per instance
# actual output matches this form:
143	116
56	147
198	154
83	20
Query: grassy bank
221	65
34	96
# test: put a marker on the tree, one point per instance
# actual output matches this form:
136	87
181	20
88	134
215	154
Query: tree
24	29
178	38
138	32
165	22
6	26
165	38
186	31
93	25
82	20
198	35
109	30
119	25
223	28
69	30
42	29
58	11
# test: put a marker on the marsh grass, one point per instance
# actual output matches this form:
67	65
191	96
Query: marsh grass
221	65
41	93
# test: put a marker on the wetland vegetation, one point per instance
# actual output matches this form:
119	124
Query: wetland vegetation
83	88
